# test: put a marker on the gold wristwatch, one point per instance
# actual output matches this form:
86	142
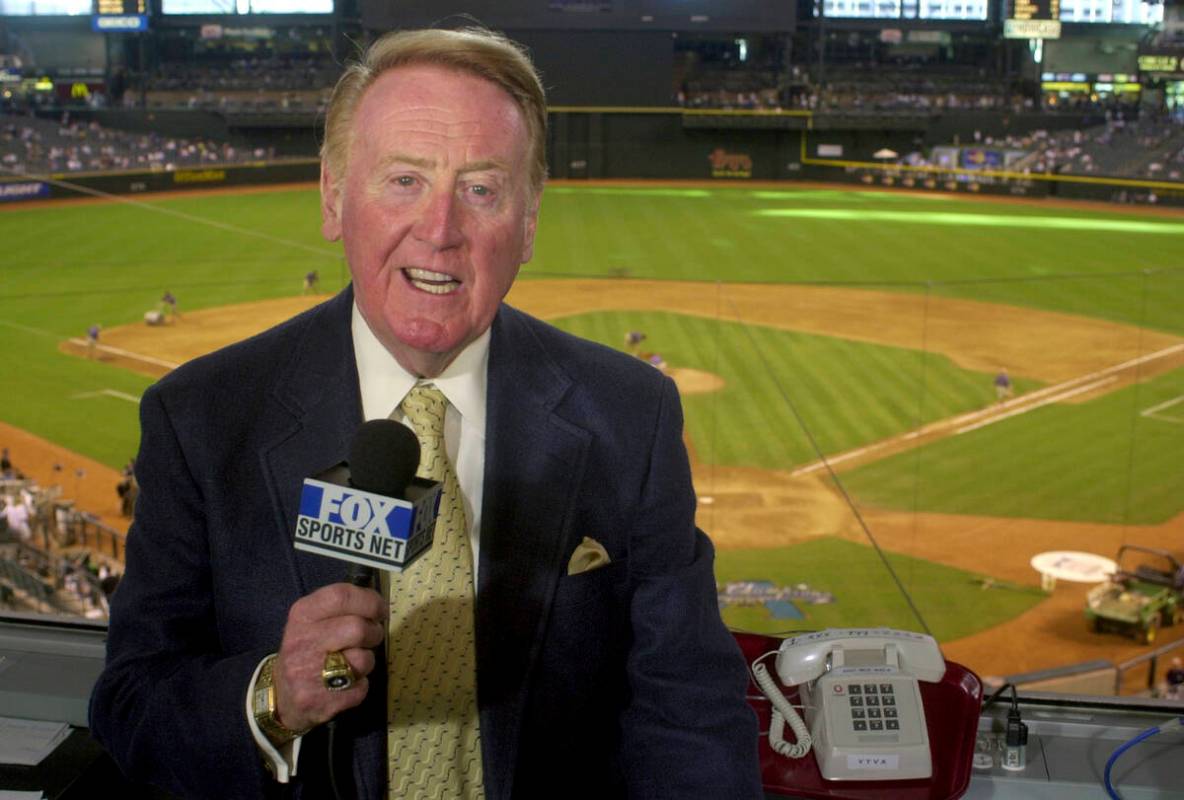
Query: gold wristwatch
264	705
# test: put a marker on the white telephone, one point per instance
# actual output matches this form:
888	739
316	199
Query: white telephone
863	705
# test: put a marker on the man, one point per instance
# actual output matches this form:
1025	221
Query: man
601	665
310	281
168	306
92	339
1003	387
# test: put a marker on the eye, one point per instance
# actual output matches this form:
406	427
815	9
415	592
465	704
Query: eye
405	181
481	194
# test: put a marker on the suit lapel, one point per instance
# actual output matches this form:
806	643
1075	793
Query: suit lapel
319	391
534	462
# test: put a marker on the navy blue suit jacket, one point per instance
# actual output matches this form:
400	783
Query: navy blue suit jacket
619	682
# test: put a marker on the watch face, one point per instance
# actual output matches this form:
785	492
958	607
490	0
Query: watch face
261	700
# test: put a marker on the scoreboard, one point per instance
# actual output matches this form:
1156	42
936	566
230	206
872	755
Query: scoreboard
119	16
1032	19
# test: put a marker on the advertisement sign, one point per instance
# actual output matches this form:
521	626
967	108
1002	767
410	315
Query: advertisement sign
730	165
1031	29
24	190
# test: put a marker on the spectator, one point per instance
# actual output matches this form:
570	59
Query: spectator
1174	680
17	515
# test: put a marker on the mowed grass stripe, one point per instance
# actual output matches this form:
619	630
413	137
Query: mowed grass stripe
823	365
1095	461
897	374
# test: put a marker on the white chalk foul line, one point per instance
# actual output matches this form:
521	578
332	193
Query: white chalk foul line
1047	400
131	398
127	354
36	331
1153	412
1011	407
1024	401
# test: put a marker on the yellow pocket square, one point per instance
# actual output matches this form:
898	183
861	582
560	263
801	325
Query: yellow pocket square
589	555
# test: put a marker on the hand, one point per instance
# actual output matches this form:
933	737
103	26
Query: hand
335	617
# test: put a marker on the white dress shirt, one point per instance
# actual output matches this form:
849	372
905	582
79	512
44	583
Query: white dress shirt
384	383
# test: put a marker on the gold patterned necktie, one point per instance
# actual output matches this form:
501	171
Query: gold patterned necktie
433	740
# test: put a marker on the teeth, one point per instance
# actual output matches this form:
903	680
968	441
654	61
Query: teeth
434	288
431	282
426	275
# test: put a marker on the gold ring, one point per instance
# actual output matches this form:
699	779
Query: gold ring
337	674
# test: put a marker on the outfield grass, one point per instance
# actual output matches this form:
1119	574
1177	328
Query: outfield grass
69	266
954	603
1032	254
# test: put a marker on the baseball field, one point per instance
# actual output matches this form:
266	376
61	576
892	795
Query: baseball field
836	351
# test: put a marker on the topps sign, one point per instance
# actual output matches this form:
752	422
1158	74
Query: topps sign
342	522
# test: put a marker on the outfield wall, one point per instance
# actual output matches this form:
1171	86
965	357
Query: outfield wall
649	143
131	182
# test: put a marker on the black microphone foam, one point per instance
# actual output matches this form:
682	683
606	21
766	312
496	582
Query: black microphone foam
383	457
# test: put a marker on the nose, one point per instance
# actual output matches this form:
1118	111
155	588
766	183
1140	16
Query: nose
439	221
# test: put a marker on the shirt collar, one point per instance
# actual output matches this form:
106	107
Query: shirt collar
384	383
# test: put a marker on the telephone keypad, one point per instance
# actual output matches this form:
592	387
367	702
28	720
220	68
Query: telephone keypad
872	706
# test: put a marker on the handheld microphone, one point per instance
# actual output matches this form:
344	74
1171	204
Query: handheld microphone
371	511
383	457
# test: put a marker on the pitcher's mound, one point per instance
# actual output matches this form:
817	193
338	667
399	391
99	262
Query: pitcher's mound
693	381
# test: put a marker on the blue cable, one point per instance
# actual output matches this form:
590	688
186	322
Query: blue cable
1122	748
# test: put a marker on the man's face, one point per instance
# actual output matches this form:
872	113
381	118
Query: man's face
435	210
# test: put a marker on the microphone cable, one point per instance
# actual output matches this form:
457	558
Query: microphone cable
383	458
363	576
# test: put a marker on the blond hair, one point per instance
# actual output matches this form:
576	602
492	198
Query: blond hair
479	52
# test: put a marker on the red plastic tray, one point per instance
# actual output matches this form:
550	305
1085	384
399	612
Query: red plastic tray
951	714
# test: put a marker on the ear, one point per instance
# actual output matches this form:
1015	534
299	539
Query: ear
330	205
531	223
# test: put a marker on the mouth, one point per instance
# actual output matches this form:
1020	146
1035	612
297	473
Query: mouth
431	282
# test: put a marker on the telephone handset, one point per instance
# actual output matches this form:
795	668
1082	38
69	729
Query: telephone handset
864	718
